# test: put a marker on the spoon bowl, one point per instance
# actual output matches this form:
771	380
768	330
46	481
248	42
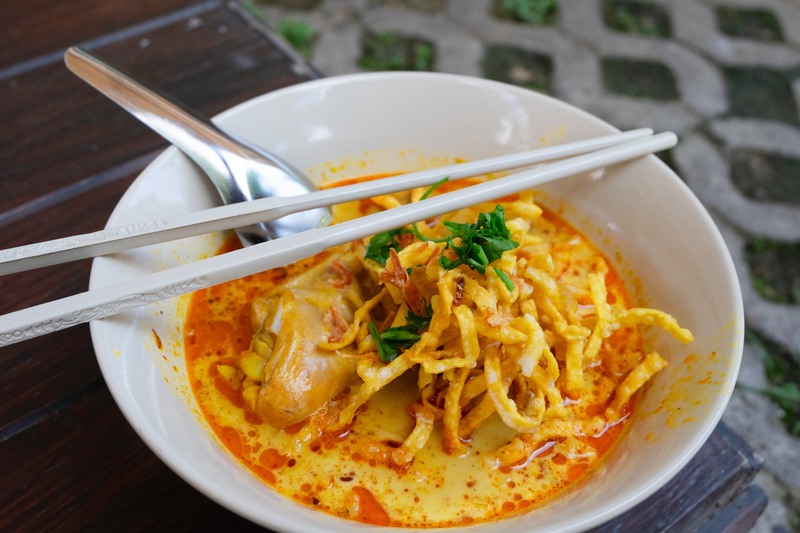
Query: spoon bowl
239	170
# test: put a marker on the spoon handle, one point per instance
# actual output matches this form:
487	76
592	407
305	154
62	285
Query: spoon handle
106	301
242	214
191	132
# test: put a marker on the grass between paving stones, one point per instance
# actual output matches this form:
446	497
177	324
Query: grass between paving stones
390	51
757	24
766	177
640	18
774	269
761	93
298	34
518	67
783	376
640	79
536	12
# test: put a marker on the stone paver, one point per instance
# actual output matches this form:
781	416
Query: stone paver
706	172
702	34
711	127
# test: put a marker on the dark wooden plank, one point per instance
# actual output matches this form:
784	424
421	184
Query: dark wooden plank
37	373
80	208
86	470
54	212
36	27
54	140
741	514
57	130
736	465
63	365
714	477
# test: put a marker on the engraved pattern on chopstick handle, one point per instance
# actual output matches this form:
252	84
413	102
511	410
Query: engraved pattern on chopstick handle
66	243
101	311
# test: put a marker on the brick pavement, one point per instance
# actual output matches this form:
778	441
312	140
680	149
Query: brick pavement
733	98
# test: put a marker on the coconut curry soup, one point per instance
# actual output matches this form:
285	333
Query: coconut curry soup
451	372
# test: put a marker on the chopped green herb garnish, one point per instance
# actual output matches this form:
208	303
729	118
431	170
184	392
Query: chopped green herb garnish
414	229
380	244
420	322
434	187
505	279
481	243
391	341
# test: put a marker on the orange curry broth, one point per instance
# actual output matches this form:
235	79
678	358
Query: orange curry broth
217	329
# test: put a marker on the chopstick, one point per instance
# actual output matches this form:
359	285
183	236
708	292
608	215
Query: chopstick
99	303
112	240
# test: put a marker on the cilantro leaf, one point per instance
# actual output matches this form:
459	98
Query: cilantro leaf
505	279
434	187
379	245
420	322
391	341
414	228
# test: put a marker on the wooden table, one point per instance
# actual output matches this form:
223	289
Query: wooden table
68	458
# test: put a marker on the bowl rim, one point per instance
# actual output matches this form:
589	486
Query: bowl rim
284	523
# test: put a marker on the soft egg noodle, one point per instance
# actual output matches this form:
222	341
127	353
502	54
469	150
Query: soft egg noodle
552	353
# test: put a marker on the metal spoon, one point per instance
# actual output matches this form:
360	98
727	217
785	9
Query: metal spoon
239	170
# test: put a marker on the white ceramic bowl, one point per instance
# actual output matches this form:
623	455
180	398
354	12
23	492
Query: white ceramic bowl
385	122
